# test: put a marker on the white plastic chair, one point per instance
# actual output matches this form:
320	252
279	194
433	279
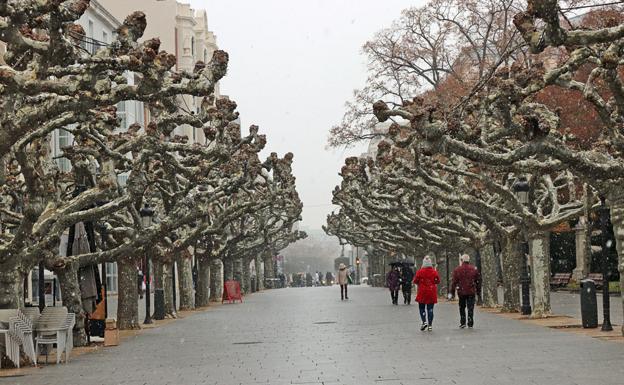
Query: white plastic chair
52	328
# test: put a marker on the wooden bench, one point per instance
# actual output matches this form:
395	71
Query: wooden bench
597	278
560	280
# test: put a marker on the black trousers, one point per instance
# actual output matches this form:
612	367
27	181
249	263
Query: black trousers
343	292
394	294
469	302
407	294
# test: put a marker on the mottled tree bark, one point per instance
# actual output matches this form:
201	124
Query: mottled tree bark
540	274
204	282
268	271
169	287
511	275
617	220
238	270
228	269
489	276
187	295
216	280
259	274
246	276
11	287
159	289
128	299
70	292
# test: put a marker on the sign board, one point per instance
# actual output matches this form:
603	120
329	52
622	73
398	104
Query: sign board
231	291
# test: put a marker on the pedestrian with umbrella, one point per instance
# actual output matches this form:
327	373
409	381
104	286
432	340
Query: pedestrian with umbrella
427	280
393	283
407	276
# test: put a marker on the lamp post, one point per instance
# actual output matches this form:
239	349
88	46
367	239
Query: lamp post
357	271
521	189
147	215
606	301
41	288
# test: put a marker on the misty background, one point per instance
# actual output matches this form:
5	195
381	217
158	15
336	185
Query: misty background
293	65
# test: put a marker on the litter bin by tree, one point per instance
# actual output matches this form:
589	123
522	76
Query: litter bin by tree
589	304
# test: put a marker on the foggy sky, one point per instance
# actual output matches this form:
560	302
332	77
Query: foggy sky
293	64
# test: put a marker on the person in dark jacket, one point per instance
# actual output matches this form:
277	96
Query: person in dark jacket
407	275
427	280
392	281
467	281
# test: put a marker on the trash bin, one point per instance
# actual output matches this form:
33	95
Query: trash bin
589	304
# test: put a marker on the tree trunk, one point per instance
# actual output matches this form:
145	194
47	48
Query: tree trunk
238	270
128	298
246	276
70	292
11	287
159	289
268	270
202	296
228	269
617	220
489	276
169	287
187	295
540	274
216	280
511	275
259	274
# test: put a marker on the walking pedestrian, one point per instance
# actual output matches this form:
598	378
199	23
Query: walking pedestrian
467	281
343	281
427	280
392	282
407	275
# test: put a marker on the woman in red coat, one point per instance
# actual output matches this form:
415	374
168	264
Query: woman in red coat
427	279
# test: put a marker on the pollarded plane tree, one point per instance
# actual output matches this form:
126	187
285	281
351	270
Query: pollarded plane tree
510	105
268	228
470	193
600	49
48	83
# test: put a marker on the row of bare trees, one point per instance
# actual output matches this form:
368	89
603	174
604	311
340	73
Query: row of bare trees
217	200
501	120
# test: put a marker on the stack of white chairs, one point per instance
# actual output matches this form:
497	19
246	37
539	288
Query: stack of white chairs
11	339
54	326
22	326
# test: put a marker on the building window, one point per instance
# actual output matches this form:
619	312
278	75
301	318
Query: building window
91	46
205	56
61	139
140	111
192	46
121	114
111	277
105	37
122	179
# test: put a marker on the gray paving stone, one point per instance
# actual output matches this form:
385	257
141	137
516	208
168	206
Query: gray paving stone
368	341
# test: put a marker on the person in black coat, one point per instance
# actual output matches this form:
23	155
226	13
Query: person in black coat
407	275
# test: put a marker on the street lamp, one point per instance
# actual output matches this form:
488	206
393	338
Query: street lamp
521	189
606	303
147	215
357	271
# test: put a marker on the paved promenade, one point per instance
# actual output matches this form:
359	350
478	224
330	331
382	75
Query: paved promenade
308	336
